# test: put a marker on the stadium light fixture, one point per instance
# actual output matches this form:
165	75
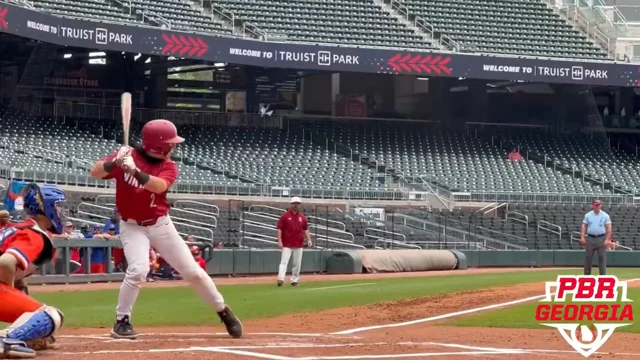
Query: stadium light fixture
135	58
423	78
219	65
97	54
68	56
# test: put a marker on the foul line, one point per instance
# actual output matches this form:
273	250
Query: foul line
447	316
340	286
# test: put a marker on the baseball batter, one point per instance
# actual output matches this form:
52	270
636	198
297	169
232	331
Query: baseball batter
23	249
143	176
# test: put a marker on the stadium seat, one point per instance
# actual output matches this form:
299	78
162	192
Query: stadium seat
518	27
591	156
450	158
348	22
178	13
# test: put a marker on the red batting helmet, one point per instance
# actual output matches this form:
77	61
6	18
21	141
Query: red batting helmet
160	137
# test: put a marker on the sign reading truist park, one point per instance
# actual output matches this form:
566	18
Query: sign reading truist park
157	41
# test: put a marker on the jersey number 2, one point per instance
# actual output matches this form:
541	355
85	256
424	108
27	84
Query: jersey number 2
153	200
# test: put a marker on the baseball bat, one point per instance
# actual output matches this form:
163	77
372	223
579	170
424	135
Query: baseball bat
125	107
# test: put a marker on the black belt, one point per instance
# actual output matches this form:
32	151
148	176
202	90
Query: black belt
596	236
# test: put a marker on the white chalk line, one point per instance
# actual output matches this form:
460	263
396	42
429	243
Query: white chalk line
340	286
447	316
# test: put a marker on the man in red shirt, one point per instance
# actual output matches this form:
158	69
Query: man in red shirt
143	177
292	229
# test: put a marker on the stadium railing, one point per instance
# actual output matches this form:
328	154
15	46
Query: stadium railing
526	197
212	188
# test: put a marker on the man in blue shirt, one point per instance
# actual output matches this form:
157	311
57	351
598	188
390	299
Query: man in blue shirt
98	255
595	236
113	222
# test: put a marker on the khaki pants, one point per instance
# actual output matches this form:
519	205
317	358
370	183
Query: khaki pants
284	262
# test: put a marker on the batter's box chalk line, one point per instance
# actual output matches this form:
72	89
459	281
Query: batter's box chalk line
449	315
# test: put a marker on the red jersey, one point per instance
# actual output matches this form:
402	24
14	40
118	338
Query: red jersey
132	199
293	227
8	225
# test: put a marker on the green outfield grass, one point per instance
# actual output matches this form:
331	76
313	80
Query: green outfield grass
181	306
523	316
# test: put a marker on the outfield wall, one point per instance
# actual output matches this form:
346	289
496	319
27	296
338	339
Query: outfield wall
263	261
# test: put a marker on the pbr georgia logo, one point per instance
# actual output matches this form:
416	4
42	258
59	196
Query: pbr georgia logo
586	310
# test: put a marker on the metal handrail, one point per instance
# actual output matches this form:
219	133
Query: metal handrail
251	28
315	226
199	203
456	233
448	220
343	226
223	12
150	15
125	3
470	245
550	227
318	237
208	230
525	221
211	217
394	243
385	232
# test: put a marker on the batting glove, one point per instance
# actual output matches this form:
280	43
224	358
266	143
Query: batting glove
123	152
129	165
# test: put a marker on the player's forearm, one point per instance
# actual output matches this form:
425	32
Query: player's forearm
307	235
279	235
608	233
152	183
102	168
583	230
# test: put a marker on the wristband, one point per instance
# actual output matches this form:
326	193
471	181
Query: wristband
109	166
143	178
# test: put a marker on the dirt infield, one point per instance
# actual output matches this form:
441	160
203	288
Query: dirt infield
343	333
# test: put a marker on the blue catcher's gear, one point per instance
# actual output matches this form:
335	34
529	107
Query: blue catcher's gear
46	200
35	325
15	349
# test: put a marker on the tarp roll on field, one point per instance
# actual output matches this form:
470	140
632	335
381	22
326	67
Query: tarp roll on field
407	260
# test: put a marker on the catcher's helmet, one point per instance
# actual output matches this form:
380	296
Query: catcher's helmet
47	200
160	137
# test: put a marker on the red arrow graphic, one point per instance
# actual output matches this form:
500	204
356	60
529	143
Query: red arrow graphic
443	66
413	64
181	45
3	22
410	63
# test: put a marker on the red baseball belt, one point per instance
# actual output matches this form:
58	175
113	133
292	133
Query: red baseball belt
144	223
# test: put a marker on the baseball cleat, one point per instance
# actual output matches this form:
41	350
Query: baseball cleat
16	349
122	329
279	283
231	322
43	344
294	284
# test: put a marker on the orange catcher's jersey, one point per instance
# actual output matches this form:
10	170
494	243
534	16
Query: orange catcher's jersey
27	243
132	199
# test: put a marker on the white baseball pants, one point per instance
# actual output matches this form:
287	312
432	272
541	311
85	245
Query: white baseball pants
284	262
164	238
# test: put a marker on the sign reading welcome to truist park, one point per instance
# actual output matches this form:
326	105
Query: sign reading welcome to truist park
157	41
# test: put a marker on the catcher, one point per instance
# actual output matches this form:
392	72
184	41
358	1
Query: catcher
23	249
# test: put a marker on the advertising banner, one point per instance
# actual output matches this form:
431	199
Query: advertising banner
157	41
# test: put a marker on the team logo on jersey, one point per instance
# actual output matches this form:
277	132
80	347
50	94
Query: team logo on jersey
584	325
131	180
